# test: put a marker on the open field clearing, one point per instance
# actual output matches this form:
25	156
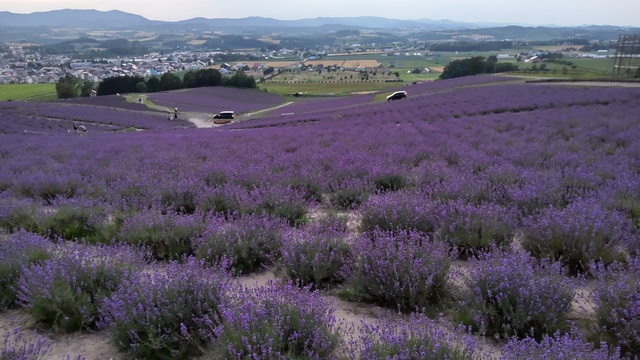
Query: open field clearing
33	92
479	218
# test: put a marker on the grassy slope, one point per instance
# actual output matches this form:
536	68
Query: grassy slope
34	92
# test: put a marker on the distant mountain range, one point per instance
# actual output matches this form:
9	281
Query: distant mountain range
93	19
62	25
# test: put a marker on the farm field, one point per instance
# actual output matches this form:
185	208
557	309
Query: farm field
33	92
479	218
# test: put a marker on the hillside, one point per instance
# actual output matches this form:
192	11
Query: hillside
347	228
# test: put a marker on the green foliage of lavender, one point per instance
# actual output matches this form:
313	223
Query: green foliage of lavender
283	202
18	214
16	347
71	222
278	321
417	337
399	211
167	235
246	243
348	194
18	250
168	313
617	296
582	233
403	271
318	256
475	228
65	293
512	295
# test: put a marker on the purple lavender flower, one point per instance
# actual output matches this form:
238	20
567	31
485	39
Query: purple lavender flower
403	271
558	346
278	322
510	294
417	337
170	312
246	243
17	251
318	256
66	292
578	235
617	296
17	347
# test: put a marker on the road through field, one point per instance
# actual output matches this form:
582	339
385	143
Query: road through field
202	120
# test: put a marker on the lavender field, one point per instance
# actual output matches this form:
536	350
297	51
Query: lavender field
99	114
478	218
216	99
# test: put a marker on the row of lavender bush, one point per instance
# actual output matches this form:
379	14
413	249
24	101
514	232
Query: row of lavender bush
184	309
58	117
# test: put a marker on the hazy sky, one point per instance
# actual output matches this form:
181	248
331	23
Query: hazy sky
538	12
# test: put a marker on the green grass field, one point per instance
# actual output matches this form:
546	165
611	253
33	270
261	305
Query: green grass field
31	92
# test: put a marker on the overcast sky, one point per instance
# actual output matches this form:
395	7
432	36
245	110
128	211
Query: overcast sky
538	12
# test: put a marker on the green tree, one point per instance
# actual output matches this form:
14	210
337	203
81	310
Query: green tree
119	84
241	80
141	87
153	84
504	67
170	81
86	87
464	67
209	77
67	87
190	80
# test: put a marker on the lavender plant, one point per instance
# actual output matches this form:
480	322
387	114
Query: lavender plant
278	321
557	346
283	202
417	337
65	293
18	214
348	193
511	294
17	251
16	347
617	296
72	222
168	235
399	211
246	243
473	228
318	256
581	233
403	271
168	313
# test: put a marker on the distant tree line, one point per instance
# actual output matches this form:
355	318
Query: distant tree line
569	41
70	86
474	66
471	46
115	47
170	81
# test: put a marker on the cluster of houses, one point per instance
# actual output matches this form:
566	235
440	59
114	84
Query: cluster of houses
18	66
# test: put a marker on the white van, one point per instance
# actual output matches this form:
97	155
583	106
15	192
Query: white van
223	117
